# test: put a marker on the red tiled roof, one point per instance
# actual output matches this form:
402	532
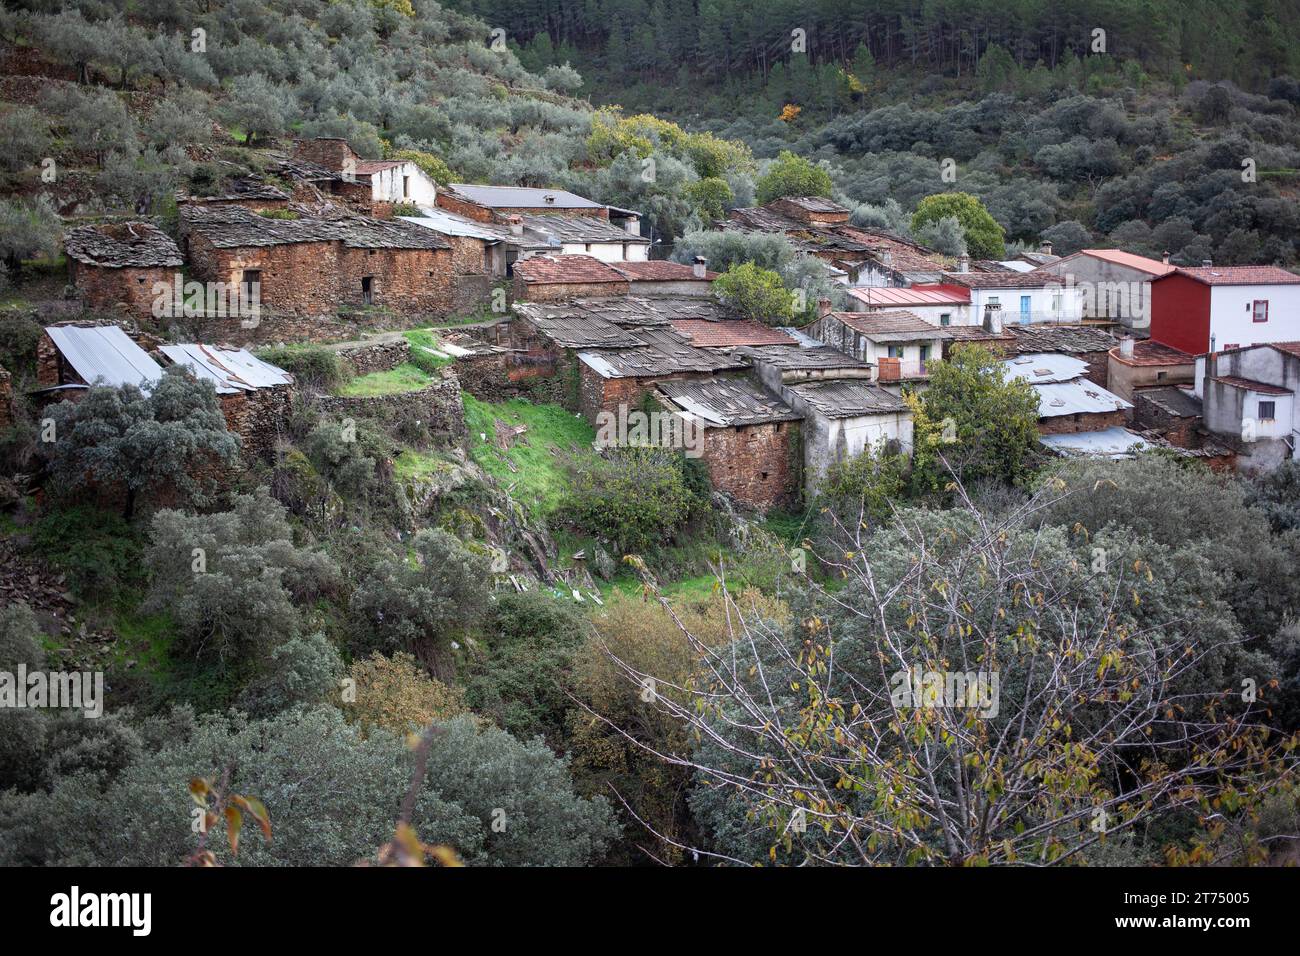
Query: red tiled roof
1147	353
1290	348
567	269
894	296
1241	275
1246	383
730	333
660	270
1121	258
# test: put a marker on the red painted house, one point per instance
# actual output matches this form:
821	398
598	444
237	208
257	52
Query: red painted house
1213	308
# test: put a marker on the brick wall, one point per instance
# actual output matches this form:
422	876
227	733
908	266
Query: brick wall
755	464
1085	422
128	290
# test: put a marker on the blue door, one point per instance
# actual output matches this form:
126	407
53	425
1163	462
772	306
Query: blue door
1024	309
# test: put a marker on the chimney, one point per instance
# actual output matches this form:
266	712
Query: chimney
993	318
1165	258
887	258
963	263
697	267
548	199
1045	247
823	307
633	225
516	225
1126	347
1207	263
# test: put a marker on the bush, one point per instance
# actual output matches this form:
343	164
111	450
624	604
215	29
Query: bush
791	175
312	366
98	550
755	293
635	498
301	671
395	693
20	639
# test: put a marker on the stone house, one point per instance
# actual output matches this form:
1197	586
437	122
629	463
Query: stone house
550	278
844	418
751	444
116	266
1090	344
661	277
314	266
255	396
389	181
1068	402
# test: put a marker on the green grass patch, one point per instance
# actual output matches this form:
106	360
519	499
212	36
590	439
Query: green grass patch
412	465
406	377
541	456
421	340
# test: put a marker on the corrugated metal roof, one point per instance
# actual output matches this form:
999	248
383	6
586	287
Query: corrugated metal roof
1113	442
658	352
899	297
578	229
523	197
439	220
1039	367
1076	397
104	353
229	369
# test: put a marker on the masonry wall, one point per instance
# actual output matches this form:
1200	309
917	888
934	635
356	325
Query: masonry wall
330	153
376	356
258	418
129	289
467	255
1178	430
437	405
596	394
406	281
1098	367
561	291
469	210
1127	380
755	464
1083	422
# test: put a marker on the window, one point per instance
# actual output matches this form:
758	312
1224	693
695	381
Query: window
896	351
250	282
368	290
406	187
945	319
1259	310
1267	410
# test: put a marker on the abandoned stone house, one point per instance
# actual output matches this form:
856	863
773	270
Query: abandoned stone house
750	440
551	278
254	395
311	266
1068	402
843	418
116	266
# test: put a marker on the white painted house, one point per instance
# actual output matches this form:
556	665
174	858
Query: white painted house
395	181
1218	308
1022	297
1248	396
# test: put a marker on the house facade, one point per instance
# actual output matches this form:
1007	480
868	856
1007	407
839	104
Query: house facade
1115	285
117	266
898	343
1023	298
1249	400
1220	308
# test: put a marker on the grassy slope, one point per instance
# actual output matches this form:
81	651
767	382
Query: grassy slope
404	378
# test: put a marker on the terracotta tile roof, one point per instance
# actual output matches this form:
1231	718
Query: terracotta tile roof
730	333
1240	275
369	166
1261	387
1133	261
1290	348
660	270
567	269
122	245
1147	353
1172	399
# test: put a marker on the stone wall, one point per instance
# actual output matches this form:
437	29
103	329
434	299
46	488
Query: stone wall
258	418
470	210
1180	430
1083	422
562	291
330	153
467	255
496	377
438	406
1098	366
317	278
758	465
367	357
129	290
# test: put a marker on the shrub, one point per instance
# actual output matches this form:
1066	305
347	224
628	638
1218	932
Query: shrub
634	497
98	550
791	175
20	638
312	366
755	293
396	694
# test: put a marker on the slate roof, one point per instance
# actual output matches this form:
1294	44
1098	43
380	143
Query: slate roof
304	171
796	358
578	229
730	333
122	245
1072	339
567	269
814	203
891	326
726	402
659	351
244	188
1172	400
848	398
1240	275
234	227
104	354
1002	280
